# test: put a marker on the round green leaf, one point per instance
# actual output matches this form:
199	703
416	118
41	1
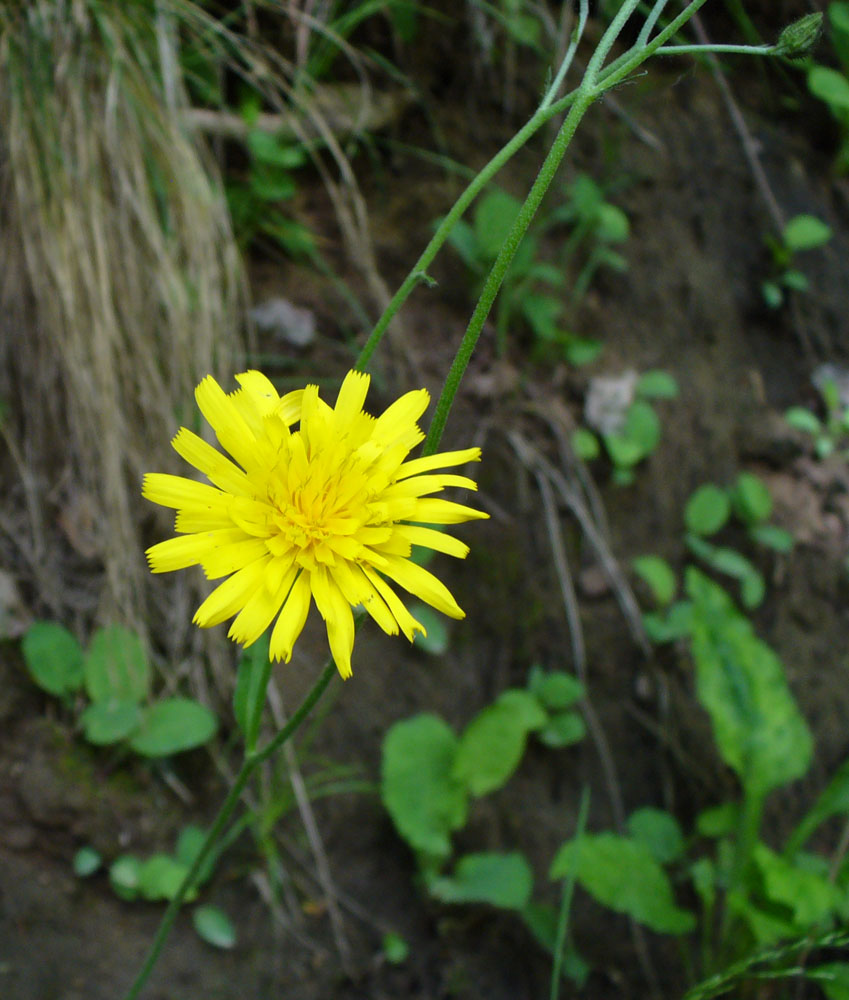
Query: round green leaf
659	831
807	232
504	880
557	690
53	657
214	926
707	510
562	730
161	876
622	874
803	420
172	726
585	444
612	224
435	642
659	575
494	741
106	722
829	86
124	876
421	795
657	385
494	218
116	666
86	862
751	498
396	951
773	537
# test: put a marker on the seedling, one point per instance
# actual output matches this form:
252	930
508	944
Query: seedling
829	434
114	677
639	430
802	232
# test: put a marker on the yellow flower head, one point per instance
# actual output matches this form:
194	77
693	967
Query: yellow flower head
329	511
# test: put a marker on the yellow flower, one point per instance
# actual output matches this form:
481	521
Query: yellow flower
329	511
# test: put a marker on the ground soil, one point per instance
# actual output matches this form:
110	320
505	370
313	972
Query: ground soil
690	304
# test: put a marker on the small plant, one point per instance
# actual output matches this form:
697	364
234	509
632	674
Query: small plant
113	675
529	287
802	232
832	85
708	511
830	433
431	776
630	432
159	877
255	201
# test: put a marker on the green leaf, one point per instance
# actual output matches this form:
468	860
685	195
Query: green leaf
732	563
612	224
248	699
172	726
124	876
53	657
585	444
642	425
772	537
418	788
504	880
272	185
107	722
462	238
161	876
707	510
214	926
189	845
396	951
795	280
832	978
807	232
542	312
580	351
758	728
621	874
833	801
494	218
493	743
436	641
803	420
809	896
660	833
751	499
772	294
659	575
657	384
562	730
718	821
116	667
86	862
830	86
676	624
268	149
556	690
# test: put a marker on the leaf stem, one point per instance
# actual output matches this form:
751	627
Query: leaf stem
250	764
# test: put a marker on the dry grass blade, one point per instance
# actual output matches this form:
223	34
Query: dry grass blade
115	218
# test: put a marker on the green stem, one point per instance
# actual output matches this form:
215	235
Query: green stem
500	267
748	828
250	764
751	50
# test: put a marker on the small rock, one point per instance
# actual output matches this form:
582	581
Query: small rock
288	322
592	582
608	400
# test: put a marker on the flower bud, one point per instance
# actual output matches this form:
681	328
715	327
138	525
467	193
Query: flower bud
799	38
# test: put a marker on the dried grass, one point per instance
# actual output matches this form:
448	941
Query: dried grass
121	289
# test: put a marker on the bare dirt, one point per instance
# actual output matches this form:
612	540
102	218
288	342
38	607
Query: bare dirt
690	304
